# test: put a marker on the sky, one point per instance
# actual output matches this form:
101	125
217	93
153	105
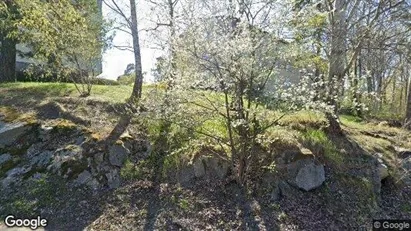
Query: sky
115	61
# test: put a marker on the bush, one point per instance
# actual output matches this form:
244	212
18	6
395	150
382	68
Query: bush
126	79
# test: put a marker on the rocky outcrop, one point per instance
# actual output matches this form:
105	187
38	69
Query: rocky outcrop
206	166
65	151
118	154
10	132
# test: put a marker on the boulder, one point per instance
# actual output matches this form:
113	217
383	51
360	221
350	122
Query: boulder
69	157
98	158
41	160
306	174
218	166
113	179
210	166
186	175
83	178
118	155
310	177
382	170
10	132
199	168
5	158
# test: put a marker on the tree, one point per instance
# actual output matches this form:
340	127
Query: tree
234	55
129	25
166	13
349	27
55	31
8	14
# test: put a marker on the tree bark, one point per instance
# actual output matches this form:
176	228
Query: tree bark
336	67
408	111
138	84
7	59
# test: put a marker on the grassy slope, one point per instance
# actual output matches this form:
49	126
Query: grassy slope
301	127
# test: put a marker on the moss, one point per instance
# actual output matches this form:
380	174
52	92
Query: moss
9	165
9	114
18	151
406	208
64	126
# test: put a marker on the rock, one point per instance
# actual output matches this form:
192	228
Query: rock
14	175
4	158
290	156
80	140
199	169
42	159
98	158
44	132
403	153
306	174
275	194
310	177
93	183
118	154
10	132
71	157
126	135
286	190
113	179
406	164
218	166
382	170
186	175
83	178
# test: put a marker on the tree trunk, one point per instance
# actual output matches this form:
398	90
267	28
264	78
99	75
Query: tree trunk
7	59
357	95
172	47
138	84
337	61
408	111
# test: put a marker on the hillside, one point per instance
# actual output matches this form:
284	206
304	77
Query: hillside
82	164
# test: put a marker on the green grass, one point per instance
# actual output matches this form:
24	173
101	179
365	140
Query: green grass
35	90
318	141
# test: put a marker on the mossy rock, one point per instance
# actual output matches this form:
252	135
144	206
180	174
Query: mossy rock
64	126
8	114
17	151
